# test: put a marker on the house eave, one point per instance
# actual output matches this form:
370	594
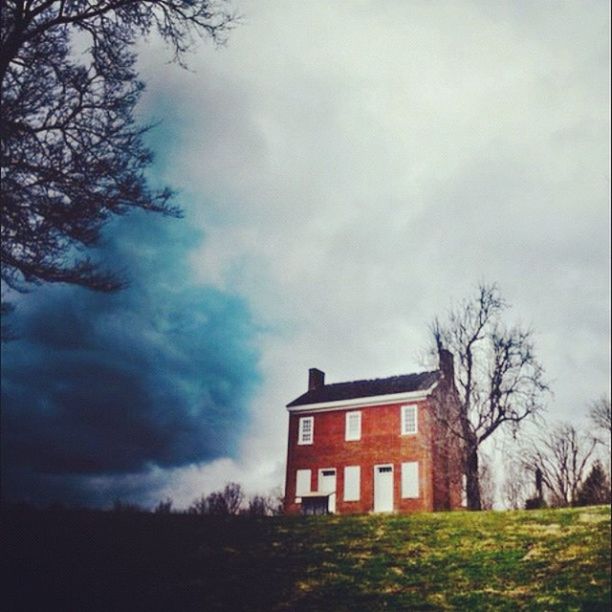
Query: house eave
360	402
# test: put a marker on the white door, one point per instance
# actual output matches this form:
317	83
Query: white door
327	484
383	488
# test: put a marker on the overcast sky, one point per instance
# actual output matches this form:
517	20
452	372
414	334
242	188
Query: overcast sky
348	170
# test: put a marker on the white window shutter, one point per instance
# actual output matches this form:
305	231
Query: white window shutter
352	481
302	482
410	479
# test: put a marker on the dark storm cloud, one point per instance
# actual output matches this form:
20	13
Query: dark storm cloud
158	374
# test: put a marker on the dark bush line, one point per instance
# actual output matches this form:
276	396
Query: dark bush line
230	501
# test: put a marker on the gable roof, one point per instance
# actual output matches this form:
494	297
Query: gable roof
368	388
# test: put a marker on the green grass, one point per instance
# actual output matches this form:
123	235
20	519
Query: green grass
536	560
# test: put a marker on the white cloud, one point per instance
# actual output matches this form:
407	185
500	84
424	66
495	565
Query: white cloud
355	166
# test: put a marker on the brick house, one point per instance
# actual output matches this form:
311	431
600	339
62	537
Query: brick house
375	445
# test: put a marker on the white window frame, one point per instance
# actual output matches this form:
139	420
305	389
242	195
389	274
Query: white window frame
348	435
352	484
410	480
303	439
405	409
302	477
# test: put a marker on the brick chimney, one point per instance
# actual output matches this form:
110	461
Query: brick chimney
316	379
446	361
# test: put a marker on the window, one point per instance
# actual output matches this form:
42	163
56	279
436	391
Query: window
410	479
352	481
409	419
306	430
353	426
302	483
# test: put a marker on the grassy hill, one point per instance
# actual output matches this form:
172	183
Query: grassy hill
537	560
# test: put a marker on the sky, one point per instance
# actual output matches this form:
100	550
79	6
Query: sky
348	171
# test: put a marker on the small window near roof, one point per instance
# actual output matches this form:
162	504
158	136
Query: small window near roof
353	426
409	419
306	430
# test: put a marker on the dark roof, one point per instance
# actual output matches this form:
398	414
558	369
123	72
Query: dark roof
367	388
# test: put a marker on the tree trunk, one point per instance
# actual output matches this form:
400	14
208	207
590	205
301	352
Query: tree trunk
472	480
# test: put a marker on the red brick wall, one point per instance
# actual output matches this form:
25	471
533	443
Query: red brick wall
446	450
381	443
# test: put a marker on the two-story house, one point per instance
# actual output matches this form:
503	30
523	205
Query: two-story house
381	445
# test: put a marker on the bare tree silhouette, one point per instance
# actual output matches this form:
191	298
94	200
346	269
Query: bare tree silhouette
72	156
499	379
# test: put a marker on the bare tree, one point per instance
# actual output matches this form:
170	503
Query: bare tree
164	506
270	504
515	489
199	506
486	481
562	454
275	502
499	379
227	501
220	503
257	506
601	416
72	157
216	504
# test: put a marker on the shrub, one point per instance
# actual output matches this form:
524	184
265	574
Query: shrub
534	503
